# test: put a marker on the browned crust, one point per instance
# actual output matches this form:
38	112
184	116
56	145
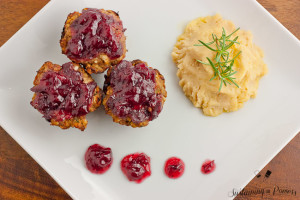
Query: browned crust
160	88
77	122
100	63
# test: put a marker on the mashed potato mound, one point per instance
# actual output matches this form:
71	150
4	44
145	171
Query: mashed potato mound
195	77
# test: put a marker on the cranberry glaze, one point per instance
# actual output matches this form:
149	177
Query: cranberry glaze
208	166
98	159
94	32
136	167
134	94
63	95
174	167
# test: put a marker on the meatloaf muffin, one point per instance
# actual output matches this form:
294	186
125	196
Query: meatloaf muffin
135	93
65	94
94	38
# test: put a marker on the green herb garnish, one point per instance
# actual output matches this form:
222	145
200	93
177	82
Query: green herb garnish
223	65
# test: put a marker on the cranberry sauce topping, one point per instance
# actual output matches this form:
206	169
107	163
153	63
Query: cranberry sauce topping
174	167
136	167
208	166
95	32
63	95
134	94
98	159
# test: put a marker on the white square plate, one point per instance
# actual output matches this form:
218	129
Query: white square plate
240	142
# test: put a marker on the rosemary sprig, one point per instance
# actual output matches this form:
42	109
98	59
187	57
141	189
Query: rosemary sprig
222	65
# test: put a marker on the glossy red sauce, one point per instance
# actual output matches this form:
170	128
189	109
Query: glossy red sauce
63	95
136	167
174	167
94	32
134	94
98	159
208	166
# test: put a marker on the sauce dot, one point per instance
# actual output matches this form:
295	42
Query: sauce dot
208	166
136	167
174	167
98	159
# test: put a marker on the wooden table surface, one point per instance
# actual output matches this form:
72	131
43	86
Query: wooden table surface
22	178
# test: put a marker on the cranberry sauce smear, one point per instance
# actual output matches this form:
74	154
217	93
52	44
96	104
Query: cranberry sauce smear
134	92
208	166
98	159
174	167
136	167
62	95
95	32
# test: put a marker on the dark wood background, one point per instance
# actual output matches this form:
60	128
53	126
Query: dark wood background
22	178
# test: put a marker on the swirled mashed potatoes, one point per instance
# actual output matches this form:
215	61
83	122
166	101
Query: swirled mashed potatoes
195	77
